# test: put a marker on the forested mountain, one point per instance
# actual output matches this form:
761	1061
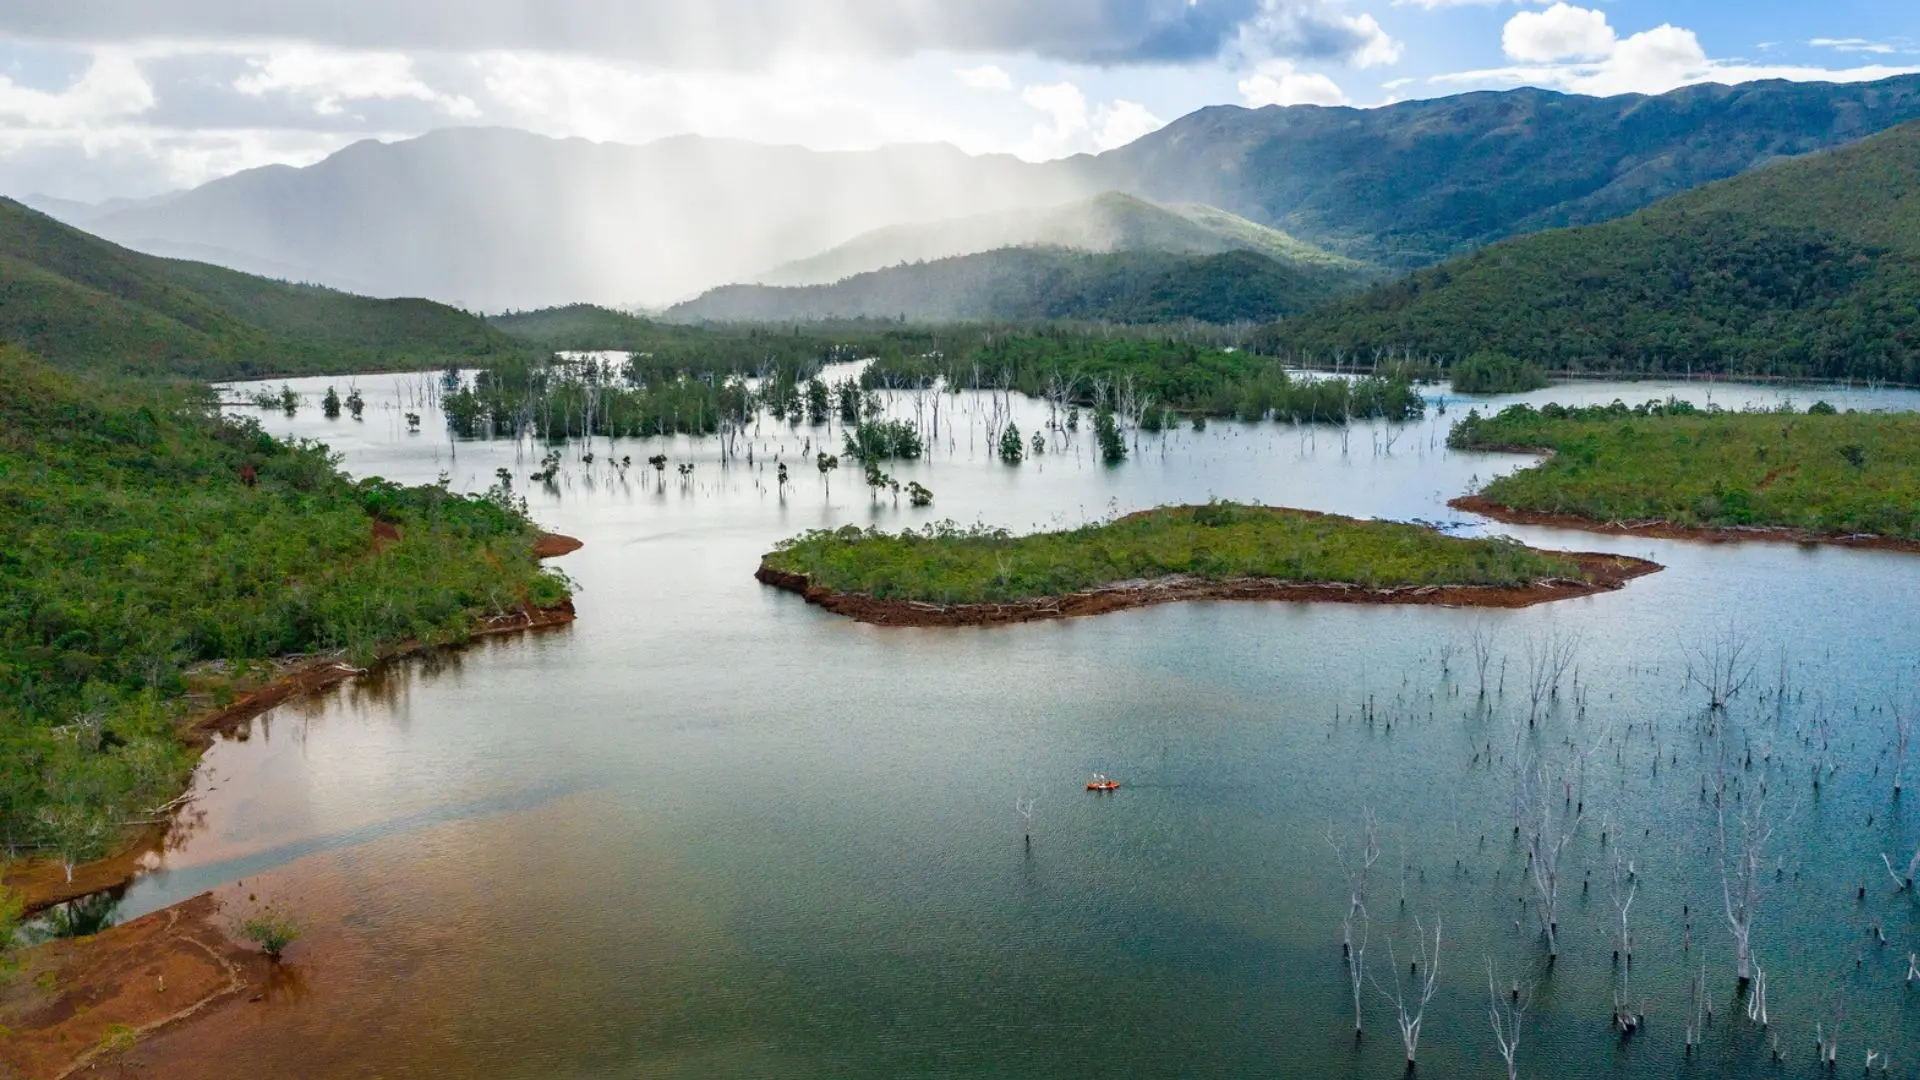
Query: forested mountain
81	302
1108	222
495	219
1413	183
1809	268
1019	284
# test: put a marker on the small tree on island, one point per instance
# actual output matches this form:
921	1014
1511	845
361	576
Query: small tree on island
1106	431
1012	447
826	463
272	929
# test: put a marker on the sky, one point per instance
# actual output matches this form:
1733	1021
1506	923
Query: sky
129	98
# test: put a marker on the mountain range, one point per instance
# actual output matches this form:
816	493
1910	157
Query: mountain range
83	303
496	219
1808	268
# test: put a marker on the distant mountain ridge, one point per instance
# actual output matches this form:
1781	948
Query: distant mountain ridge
1108	222
1036	283
82	303
1807	268
1409	184
495	219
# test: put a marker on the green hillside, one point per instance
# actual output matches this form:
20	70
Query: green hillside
81	302
1101	224
1810	268
1020	284
143	532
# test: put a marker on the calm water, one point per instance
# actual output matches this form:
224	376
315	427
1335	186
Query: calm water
709	831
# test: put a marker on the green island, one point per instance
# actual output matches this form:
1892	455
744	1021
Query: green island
158	557
1219	549
1670	464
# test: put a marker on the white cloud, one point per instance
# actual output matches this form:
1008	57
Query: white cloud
1278	82
1854	45
1562	32
328	79
1073	127
1578	51
111	88
1377	47
985	77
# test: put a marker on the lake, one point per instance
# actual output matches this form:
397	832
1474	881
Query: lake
710	831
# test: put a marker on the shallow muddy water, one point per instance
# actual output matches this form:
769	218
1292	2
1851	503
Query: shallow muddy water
709	831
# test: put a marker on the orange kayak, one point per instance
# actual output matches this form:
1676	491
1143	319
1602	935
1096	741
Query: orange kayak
1104	785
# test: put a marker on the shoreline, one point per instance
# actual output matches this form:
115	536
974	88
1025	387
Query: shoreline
1607	573
42	883
1664	530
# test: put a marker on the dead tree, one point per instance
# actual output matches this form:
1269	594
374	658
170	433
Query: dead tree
1547	664
1507	1015
1482	641
1024	807
1359	874
1722	669
1902	882
1409	1012
1742	851
1625	886
1902	716
1548	836
1826	1033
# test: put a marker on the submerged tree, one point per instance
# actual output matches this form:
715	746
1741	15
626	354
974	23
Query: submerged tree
1410	1011
1547	664
1742	855
1012	448
1358	870
1507	1015
1722	668
1547	840
330	404
356	404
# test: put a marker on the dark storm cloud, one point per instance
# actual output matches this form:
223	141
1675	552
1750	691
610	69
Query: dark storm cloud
717	33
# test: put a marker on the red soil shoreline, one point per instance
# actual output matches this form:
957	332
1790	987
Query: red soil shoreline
43	883
1605	573
1663	530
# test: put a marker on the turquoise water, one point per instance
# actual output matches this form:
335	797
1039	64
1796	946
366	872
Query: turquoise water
710	831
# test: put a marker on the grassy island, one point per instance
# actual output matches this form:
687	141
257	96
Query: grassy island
157	558
1671	466
946	574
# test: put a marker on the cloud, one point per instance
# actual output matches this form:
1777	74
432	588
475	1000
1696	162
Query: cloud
1854	45
329	79
1562	32
1278	82
112	87
729	34
1578	51
1072	127
985	77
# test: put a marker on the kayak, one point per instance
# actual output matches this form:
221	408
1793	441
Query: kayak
1103	785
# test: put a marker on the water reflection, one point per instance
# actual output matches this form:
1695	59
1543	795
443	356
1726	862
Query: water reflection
710	831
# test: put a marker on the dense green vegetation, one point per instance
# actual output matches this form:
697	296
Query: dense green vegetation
142	533
81	302
1139	375
1416	182
1822	471
1496	373
1032	283
952	565
1808	268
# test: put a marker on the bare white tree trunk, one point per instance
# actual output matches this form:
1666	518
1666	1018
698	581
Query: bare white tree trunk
1507	1016
1411	1011
1721	669
1547	664
1482	643
1741	859
1547	838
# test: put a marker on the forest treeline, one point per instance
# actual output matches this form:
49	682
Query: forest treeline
1822	470
144	535
1808	269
